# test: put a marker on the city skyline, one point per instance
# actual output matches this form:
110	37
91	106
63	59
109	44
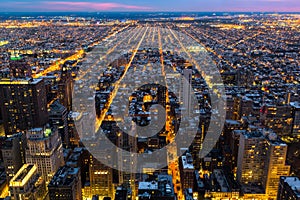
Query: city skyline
144	105
130	5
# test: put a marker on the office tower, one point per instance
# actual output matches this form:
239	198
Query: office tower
275	165
296	118
66	86
66	184
58	116
234	148
44	149
127	162
251	158
261	161
13	152
101	179
186	168
23	104
289	188
226	140
27	184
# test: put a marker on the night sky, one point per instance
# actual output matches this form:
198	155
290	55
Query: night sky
151	5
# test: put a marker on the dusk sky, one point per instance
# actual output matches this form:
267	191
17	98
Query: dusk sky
150	5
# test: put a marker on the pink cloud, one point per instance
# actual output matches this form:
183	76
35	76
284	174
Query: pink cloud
85	6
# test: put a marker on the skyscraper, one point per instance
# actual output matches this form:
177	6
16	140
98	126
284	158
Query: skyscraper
296	118
261	161
251	158
101	179
66	86
13	152
58	116
187	169
44	149
275	166
23	104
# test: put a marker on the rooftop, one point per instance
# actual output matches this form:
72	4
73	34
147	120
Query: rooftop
27	81
23	175
56	106
295	105
64	176
294	183
148	185
221	179
187	161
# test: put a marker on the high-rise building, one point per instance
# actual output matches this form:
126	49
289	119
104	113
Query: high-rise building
234	148
44	149
275	166
27	184
58	116
13	152
296	118
289	188
186	168
261	161
23	104
101	179
251	158
66	86
129	144
66	184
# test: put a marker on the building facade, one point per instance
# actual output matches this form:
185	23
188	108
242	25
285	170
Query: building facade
44	149
23	104
66	184
27	184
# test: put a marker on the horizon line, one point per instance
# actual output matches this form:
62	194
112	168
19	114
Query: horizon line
145	11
